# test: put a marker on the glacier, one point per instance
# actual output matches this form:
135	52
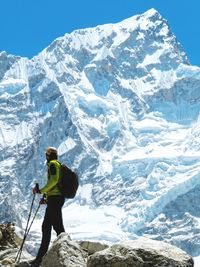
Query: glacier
121	103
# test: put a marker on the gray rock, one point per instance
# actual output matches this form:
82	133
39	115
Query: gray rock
141	253
7	236
7	258
92	247
138	253
65	253
115	256
23	264
1	235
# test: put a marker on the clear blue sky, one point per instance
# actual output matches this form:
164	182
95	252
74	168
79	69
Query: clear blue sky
29	26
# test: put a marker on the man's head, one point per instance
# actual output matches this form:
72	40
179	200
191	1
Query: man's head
51	153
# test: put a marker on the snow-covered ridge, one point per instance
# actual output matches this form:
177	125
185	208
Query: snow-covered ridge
121	103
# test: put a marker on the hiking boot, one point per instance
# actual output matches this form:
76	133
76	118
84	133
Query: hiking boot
36	262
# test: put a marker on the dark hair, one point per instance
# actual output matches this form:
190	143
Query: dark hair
53	156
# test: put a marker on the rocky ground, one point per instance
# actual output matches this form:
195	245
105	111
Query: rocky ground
65	252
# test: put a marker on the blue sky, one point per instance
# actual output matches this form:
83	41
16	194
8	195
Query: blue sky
29	26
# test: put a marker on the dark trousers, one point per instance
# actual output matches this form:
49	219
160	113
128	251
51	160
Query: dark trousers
52	218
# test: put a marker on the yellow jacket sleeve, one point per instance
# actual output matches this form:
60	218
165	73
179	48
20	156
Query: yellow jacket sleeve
53	177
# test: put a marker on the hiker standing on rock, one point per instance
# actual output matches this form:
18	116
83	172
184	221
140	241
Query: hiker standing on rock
54	200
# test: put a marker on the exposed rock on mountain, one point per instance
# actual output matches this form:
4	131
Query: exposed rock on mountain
65	252
9	246
141	253
7	236
138	253
92	247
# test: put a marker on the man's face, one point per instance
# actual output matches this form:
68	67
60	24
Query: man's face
47	157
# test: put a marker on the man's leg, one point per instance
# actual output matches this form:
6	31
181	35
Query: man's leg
46	237
53	217
57	219
46	233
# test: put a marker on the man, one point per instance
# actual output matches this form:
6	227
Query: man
55	201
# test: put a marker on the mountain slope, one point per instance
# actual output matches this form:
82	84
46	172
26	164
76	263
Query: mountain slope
121	103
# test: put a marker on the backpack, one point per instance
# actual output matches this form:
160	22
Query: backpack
68	182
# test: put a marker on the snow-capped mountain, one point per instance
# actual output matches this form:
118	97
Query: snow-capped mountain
121	103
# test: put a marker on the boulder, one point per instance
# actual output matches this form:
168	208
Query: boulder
7	257
137	253
141	253
1	235
91	247
7	236
64	253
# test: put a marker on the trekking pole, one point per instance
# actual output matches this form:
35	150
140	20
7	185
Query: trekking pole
34	216
25	236
17	258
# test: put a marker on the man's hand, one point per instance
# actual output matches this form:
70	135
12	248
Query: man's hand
43	201
36	190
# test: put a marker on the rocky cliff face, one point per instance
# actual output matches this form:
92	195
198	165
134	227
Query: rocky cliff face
121	104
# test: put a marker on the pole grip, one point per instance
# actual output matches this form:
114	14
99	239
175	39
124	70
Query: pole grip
37	187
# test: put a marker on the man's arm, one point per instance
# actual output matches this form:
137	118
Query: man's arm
53	180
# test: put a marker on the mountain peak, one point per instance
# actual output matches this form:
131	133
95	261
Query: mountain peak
151	13
116	103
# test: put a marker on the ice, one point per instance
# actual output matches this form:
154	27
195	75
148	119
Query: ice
12	86
196	261
82	223
66	146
